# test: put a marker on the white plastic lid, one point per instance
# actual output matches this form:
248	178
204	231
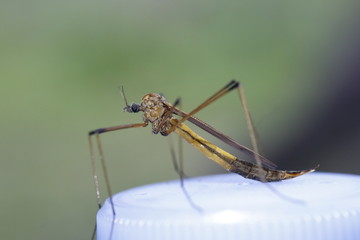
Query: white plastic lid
328	208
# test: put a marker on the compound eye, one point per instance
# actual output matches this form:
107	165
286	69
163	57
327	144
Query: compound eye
135	107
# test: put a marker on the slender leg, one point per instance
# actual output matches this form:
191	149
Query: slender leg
249	121
230	86
178	167
97	133
174	158
180	149
250	126
96	181
182	175
254	143
94	172
102	159
181	160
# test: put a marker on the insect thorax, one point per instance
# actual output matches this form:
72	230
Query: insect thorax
156	112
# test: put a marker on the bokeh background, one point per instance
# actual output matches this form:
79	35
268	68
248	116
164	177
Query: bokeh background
61	63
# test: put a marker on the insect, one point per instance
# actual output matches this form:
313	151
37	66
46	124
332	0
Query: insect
160	114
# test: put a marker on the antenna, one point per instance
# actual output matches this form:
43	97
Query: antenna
128	107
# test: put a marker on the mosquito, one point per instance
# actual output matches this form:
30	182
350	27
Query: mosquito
159	113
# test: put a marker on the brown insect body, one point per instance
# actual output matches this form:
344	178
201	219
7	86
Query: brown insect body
156	112
159	113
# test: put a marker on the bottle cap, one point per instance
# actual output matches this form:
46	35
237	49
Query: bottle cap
314	206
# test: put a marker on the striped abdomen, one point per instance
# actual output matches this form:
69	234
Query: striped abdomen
230	162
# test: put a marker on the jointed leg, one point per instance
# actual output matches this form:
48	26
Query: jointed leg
103	164
180	149
250	124
230	86
102	158
178	165
174	158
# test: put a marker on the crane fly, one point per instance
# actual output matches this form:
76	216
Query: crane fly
160	114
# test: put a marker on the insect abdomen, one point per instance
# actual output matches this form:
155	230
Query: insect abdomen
230	162
260	173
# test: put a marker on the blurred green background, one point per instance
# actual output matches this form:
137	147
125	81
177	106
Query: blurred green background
61	63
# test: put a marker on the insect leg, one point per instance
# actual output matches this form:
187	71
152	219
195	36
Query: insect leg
97	133
180	150
251	128
179	165
227	88
189	116
174	158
